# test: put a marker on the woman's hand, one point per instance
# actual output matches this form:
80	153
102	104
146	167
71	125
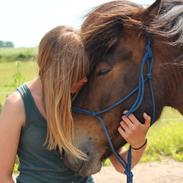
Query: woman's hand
135	134
133	131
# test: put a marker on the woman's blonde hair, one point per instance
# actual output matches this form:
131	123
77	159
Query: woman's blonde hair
62	62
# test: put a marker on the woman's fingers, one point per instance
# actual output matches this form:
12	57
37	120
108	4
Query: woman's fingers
147	119
136	122
133	131
133	119
122	132
128	122
124	126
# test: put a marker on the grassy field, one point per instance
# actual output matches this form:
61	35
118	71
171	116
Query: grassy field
18	54
14	73
165	138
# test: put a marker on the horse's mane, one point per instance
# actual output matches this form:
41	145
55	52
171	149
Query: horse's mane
103	27
169	22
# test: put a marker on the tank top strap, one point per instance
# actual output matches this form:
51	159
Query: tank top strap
31	110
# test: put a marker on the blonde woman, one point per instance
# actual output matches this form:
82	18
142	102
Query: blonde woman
36	121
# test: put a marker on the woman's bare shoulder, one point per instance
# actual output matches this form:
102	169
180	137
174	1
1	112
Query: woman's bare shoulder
14	108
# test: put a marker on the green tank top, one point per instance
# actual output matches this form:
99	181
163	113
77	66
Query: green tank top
37	164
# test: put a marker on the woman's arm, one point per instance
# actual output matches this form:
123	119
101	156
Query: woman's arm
11	121
135	134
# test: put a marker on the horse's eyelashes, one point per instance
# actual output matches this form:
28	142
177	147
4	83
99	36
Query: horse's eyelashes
103	72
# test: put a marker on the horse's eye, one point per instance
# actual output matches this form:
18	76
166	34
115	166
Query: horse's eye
103	72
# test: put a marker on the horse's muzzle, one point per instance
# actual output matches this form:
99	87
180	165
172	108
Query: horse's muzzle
83	168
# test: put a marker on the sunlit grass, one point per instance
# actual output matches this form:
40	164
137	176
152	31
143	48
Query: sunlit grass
8	72
165	138
15	54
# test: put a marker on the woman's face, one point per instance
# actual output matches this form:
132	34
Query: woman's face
77	86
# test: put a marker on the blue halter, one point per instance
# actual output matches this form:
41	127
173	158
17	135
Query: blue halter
148	61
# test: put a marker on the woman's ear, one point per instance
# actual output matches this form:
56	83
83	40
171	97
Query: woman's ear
77	86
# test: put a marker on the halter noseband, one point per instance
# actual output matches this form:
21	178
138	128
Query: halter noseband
140	89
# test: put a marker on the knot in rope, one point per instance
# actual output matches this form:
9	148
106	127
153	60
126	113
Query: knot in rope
93	113
149	76
129	175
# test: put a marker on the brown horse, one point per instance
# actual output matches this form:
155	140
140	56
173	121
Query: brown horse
114	36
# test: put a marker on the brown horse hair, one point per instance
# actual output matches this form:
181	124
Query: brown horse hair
169	22
102	35
163	19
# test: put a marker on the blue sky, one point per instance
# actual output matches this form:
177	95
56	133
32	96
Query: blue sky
26	21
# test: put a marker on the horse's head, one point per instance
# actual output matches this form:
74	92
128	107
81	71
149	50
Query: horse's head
114	35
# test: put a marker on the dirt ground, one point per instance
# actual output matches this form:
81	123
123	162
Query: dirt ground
167	171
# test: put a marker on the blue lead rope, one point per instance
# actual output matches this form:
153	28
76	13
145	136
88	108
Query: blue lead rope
148	61
128	171
126	165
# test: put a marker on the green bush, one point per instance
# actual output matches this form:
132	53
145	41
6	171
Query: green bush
17	54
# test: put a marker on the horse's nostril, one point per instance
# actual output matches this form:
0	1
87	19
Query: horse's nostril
87	153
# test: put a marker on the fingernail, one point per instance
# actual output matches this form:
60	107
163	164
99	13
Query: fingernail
147	116
125	111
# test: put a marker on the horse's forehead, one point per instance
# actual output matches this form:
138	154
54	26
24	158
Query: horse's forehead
125	50
122	51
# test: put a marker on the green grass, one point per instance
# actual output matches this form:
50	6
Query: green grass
8	73
165	138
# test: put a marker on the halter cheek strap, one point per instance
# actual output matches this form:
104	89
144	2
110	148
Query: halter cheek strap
139	89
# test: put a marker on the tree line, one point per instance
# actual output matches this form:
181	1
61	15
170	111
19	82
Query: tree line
6	44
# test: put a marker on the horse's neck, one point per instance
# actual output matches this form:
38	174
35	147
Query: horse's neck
172	68
179	101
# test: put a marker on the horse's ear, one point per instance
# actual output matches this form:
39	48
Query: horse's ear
150	13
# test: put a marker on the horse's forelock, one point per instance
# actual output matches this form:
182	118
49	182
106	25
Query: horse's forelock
103	27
